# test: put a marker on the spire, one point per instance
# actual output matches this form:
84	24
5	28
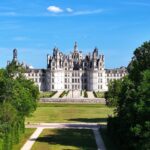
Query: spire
96	51
15	54
75	47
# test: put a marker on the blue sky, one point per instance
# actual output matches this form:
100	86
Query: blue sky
34	27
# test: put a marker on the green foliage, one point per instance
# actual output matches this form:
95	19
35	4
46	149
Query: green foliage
85	94
131	125
140	62
18	98
112	95
14	69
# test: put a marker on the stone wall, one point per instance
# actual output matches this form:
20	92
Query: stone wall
73	100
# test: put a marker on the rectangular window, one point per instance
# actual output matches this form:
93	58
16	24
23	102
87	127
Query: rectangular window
75	80
75	86
52	74
65	80
52	79
52	86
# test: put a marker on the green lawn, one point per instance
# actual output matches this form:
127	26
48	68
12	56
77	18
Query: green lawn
65	139
23	139
70	113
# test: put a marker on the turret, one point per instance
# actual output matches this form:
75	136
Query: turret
75	47
15	55
94	60
95	53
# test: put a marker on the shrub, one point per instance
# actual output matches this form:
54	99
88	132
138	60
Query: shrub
94	93
85	94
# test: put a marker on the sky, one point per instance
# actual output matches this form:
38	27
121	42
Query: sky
35	27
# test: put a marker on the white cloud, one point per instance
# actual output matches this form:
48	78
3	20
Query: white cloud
69	10
55	9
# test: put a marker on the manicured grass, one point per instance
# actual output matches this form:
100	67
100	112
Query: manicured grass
70	113
67	139
109	143
23	139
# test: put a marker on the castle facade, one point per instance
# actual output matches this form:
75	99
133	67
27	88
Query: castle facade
74	72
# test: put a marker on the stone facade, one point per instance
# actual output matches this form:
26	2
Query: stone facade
74	72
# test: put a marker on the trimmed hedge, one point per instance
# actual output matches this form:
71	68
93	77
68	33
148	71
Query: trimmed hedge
85	94
47	94
63	94
95	95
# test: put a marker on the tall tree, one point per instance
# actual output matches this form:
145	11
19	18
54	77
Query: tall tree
131	125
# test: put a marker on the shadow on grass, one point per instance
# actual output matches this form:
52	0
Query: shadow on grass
80	139
110	144
90	120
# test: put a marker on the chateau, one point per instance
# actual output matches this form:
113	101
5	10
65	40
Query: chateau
73	72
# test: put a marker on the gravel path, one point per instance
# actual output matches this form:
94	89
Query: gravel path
99	140
28	145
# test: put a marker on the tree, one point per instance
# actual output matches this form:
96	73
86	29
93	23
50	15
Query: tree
18	99
140	62
111	96
131	125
